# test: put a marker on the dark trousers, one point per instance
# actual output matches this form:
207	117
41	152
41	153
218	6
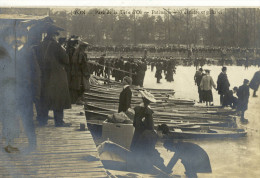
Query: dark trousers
200	94
26	114
221	99
42	115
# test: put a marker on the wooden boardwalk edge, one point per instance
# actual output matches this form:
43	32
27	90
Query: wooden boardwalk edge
61	151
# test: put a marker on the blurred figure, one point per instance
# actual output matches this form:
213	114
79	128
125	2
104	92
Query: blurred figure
222	84
255	82
28	84
206	85
8	116
194	158
54	82
125	95
243	97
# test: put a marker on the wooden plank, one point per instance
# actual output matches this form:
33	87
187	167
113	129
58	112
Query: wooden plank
61	152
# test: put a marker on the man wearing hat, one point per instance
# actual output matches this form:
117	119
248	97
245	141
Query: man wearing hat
243	97
54	82
80	73
222	84
125	95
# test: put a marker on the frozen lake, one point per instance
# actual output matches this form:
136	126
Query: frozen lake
229	158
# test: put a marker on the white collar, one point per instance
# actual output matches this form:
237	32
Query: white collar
142	104
126	86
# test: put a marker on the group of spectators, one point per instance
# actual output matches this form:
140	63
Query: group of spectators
205	84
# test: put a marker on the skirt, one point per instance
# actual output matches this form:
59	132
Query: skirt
207	95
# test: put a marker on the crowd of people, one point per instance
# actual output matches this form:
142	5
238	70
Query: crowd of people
205	84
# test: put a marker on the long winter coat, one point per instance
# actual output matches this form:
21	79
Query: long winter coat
125	99
255	82
222	84
141	125
54	82
243	96
79	75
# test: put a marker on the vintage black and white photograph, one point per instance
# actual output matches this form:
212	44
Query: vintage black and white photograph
130	92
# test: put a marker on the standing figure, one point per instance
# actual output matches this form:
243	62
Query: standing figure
243	96
255	82
145	138
143	120
125	95
158	73
54	82
8	117
222	84
143	68
80	73
28	85
206	85
194	158
197	78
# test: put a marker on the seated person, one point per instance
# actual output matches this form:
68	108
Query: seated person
229	99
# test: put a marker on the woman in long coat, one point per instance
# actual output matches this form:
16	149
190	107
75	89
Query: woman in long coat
143	120
206	85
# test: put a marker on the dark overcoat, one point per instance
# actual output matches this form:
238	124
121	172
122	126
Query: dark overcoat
125	99
243	96
254	83
54	82
222	84
140	126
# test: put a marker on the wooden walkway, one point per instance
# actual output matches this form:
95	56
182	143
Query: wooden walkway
61	152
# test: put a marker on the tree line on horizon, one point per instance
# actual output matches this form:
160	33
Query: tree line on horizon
233	27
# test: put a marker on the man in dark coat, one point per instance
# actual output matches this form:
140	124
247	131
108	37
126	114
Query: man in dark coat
125	95
80	73
54	83
197	78
158	73
243	96
255	82
193	157
222	84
